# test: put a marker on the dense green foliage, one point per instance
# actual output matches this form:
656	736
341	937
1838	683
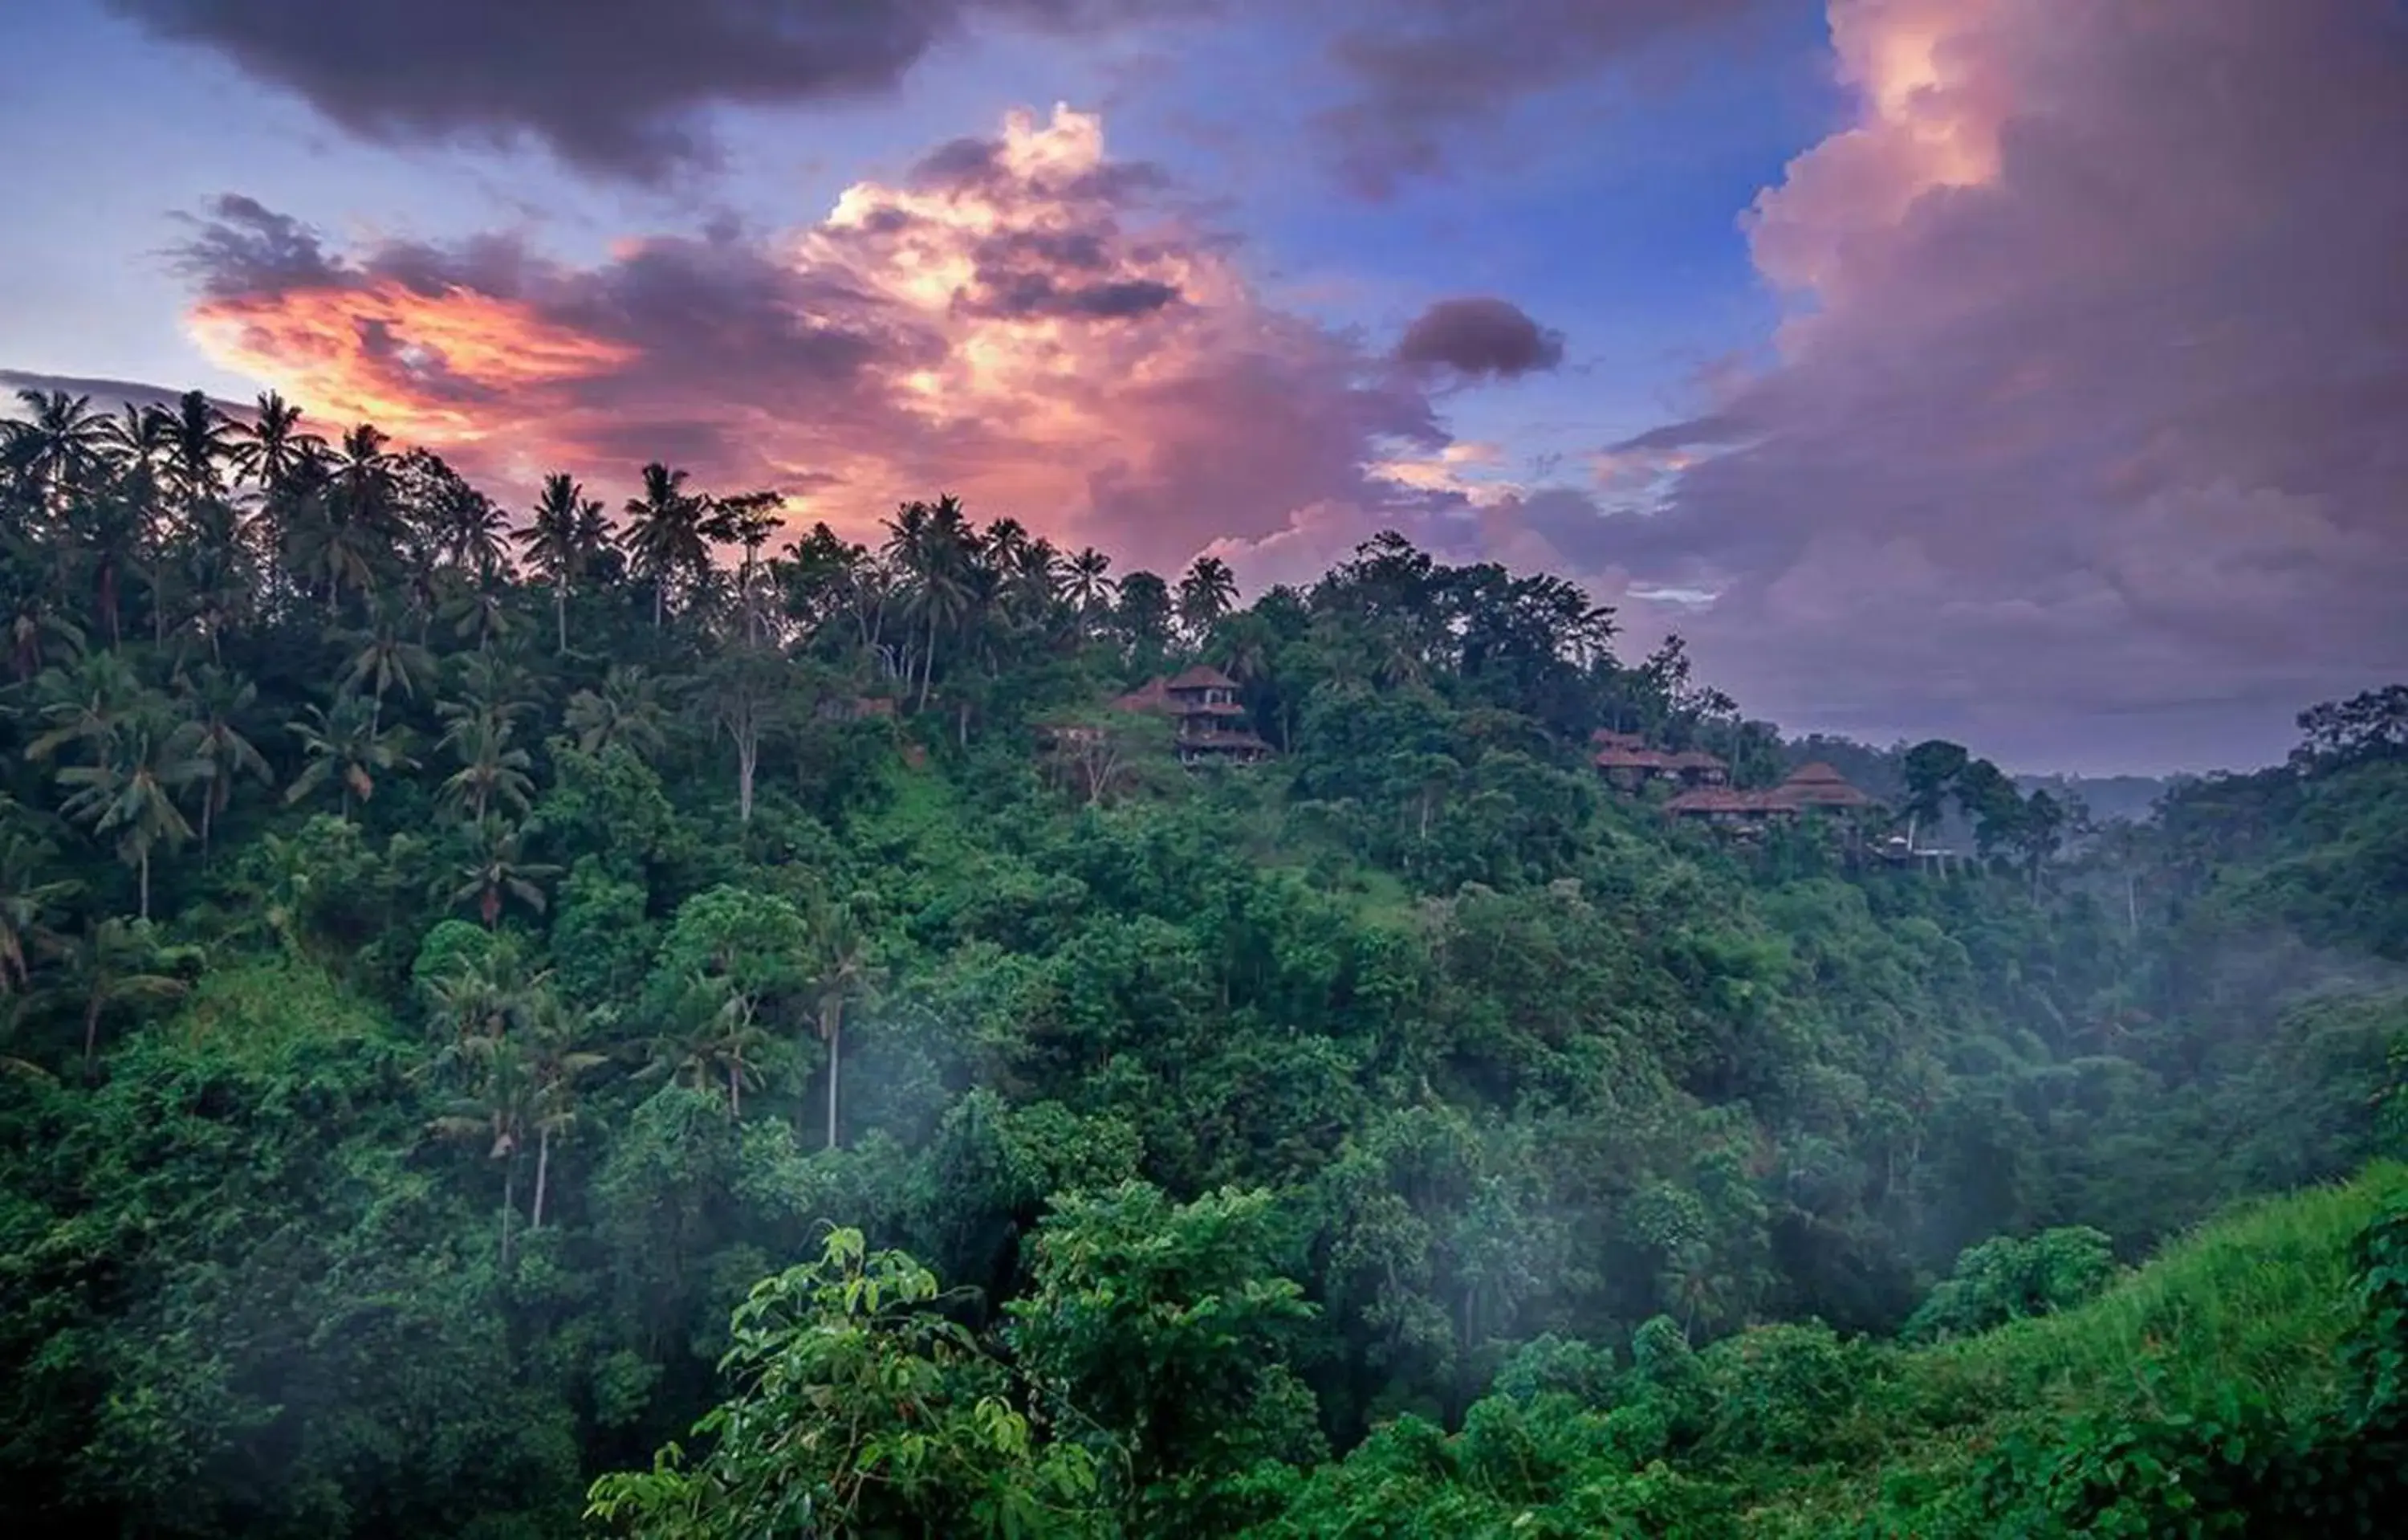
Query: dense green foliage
486	995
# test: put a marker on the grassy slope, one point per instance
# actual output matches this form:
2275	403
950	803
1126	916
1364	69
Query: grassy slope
2260	1297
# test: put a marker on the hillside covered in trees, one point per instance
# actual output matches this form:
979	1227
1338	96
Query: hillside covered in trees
488	990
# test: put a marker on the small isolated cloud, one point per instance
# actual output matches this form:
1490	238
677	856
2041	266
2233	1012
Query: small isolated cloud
1022	321
1478	338
616	87
2084	439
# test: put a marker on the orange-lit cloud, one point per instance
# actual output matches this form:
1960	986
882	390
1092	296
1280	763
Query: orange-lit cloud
1022	321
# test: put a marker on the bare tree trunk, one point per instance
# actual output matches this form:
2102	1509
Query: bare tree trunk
835	1043
542	1173
144	866
560	614
748	761
509	1202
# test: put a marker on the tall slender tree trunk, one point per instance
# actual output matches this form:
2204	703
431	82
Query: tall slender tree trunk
90	1029
509	1201
836	1042
748	761
142	865
209	809
542	1171
560	614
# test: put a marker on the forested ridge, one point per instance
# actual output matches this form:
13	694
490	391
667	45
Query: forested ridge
486	989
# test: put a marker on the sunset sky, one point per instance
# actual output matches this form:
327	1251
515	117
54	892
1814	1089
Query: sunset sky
2031	372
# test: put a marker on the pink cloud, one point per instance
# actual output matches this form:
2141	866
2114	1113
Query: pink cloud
2086	435
1024	321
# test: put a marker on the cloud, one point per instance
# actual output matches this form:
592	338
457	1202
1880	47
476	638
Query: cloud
1479	337
614	87
2084	438
1022	321
1420	73
106	395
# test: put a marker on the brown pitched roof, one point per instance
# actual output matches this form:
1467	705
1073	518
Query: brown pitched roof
1150	696
1619	756
1605	737
1818	784
1201	676
1696	759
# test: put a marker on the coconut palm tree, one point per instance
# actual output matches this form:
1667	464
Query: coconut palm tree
113	963
663	539
27	901
270	447
345	747
629	711
1088	585
491	768
499	872
215	703
721	1040
562	541
385	658
201	440
61	444
841	972
1205	594
129	790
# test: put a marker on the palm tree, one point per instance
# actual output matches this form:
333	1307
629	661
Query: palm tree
271	447
211	736
841	972
664	538
628	711
117	962
139	440
61	443
1205	594
130	790
386	658
200	439
84	702
554	1065
346	747
498	873
26	901
1088	585
490	766
562	541
496	1110
722	1040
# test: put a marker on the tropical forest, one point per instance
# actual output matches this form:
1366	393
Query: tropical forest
529	1018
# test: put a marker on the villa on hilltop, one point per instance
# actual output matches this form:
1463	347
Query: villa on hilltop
1629	762
1211	725
1814	787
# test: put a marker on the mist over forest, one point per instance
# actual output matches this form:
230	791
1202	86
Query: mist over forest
527	1022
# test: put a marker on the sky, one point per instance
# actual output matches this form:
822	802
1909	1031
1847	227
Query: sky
2028	372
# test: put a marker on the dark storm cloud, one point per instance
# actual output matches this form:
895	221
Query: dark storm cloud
1479	337
1422	73
611	86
